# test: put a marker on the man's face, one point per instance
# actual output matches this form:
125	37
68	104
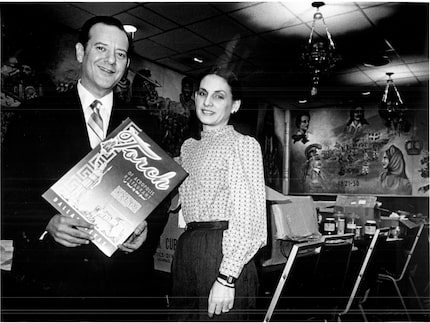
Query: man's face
316	162
358	114
304	123
187	91
104	59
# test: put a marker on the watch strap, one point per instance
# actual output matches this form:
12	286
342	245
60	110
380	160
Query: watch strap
228	279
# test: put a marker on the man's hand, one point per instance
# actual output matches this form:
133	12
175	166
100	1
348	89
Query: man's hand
136	239
221	299
68	231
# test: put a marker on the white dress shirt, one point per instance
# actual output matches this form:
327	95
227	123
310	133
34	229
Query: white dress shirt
105	111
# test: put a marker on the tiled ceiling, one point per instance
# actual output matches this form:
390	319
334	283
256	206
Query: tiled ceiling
264	40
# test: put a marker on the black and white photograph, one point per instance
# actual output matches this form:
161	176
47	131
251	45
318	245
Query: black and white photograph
175	161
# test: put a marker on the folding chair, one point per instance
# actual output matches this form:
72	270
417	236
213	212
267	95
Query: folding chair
367	274
331	273
404	272
302	261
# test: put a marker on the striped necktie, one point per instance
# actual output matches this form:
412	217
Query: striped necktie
95	121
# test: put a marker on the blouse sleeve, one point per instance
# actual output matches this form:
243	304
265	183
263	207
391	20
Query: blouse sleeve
247	230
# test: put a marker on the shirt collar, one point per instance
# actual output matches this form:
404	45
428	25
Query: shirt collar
216	132
87	98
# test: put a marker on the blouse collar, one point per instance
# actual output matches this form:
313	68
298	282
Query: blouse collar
216	132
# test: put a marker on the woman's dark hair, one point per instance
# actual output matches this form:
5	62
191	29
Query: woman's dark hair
299	117
84	32
231	79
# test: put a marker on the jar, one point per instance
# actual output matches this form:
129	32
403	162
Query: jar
357	232
369	229
340	222
329	226
340	226
350	226
395	232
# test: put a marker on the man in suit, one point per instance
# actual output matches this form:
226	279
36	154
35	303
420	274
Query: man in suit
53	257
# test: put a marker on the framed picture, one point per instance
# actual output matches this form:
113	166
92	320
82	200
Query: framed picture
358	151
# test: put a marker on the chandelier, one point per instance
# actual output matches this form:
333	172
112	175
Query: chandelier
392	109
319	56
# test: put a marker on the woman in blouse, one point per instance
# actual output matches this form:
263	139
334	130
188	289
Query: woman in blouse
393	178
223	203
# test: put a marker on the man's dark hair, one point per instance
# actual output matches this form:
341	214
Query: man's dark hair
84	32
354	109
187	80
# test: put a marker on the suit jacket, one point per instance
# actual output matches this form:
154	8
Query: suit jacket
45	139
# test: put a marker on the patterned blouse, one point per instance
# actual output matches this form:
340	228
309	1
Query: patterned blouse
226	182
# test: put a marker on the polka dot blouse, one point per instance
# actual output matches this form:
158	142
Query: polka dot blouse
226	182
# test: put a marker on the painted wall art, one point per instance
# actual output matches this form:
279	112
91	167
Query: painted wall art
354	151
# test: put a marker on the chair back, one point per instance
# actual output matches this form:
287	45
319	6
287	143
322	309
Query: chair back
331	273
289	221
369	268
410	251
302	262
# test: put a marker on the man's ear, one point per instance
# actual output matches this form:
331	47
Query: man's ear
80	51
236	106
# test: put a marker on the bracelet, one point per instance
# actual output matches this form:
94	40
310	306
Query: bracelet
224	284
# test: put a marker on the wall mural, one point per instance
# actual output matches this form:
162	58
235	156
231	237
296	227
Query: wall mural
354	152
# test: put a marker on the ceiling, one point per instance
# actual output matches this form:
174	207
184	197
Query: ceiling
263	40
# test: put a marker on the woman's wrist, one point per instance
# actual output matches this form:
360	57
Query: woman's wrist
225	283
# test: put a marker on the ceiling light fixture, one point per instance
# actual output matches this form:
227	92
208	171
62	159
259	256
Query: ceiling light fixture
319	56
392	109
130	29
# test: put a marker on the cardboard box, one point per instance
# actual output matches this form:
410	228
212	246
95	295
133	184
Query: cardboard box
163	257
363	207
390	221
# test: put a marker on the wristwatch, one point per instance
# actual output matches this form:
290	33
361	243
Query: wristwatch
228	279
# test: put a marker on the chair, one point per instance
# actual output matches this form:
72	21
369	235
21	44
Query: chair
331	273
302	261
405	272
289	221
367	274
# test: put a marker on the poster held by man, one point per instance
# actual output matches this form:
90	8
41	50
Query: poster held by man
117	185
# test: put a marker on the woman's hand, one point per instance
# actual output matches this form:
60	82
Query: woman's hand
221	299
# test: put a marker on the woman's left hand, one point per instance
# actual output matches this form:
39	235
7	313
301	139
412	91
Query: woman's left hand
221	299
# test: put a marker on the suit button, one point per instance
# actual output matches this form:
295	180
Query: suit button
85	259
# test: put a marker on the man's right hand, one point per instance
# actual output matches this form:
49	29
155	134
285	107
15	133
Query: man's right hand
66	230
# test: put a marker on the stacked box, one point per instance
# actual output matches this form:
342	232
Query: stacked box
363	207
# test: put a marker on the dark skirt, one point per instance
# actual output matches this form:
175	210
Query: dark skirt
195	268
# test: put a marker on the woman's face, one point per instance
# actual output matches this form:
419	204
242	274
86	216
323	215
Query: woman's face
385	161
214	102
